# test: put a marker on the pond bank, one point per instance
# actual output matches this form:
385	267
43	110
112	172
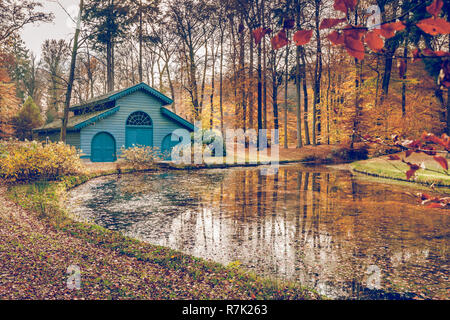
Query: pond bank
39	242
382	167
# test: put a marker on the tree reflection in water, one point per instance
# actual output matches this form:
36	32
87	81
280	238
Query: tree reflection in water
322	228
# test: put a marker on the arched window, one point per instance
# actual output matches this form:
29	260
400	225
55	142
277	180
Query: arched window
139	118
139	130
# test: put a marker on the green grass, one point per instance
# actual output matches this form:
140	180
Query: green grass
380	167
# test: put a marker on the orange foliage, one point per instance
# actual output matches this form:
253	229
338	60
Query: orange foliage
9	104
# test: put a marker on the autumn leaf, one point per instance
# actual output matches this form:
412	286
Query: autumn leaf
336	38
434	26
330	23
353	43
416	55
412	171
345	5
442	161
394	157
280	40
435	205
444	77
374	41
443	141
302	37
435	8
259	33
388	30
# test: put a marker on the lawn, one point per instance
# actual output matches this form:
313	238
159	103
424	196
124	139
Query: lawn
385	168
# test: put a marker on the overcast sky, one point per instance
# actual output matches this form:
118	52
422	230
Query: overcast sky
61	27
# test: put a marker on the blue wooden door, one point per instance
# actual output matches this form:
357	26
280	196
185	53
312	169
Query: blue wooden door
139	136
103	148
167	146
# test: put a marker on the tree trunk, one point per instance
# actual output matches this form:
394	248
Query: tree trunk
71	75
405	56
242	77
305	97
221	84
141	76
286	82
250	90
317	78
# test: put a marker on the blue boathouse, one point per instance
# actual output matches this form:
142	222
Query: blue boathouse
100	127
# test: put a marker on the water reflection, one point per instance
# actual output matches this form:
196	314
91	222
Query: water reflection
324	229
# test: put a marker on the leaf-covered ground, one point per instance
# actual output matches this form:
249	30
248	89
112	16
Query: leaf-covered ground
35	254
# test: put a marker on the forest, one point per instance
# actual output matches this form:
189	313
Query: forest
259	64
93	204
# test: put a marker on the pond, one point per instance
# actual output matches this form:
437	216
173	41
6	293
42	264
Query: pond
346	237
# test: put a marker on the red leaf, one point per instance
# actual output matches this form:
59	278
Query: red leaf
302	37
425	196
336	38
416	55
443	141
408	153
394	157
435	205
442	161
441	54
374	41
428	52
353	42
412	171
435	7
280	40
388	29
444	78
434	26
330	23
345	5
259	33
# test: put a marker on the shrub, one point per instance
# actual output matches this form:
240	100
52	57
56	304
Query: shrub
31	161
141	157
208	137
344	152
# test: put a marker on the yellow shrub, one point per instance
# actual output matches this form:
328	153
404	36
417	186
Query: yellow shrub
29	161
141	157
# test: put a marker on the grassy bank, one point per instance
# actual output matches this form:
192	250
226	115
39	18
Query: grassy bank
384	168
40	241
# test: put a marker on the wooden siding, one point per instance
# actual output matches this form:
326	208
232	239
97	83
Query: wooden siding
72	138
116	123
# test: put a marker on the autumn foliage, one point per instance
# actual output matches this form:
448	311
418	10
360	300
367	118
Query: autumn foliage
31	161
9	103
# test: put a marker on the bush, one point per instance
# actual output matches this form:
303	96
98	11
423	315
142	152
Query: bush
31	161
345	153
208	137
141	157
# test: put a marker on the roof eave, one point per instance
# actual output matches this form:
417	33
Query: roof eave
177	119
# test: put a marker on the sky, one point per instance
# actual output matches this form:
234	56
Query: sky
61	28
